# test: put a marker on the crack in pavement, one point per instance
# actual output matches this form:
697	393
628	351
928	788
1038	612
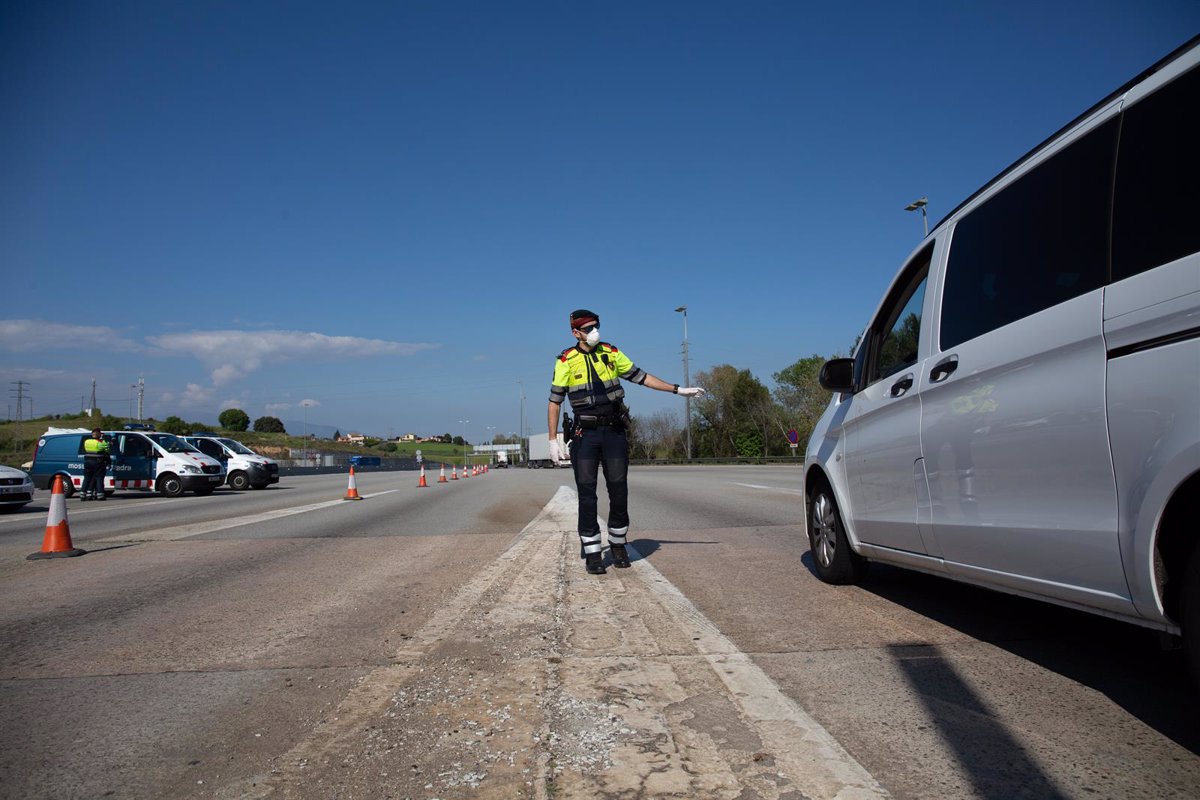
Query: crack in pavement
537	680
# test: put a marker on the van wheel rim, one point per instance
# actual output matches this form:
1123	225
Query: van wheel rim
824	532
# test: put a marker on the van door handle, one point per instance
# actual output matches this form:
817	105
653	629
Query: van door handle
943	369
901	386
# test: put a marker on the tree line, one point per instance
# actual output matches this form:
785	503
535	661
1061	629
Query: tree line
738	417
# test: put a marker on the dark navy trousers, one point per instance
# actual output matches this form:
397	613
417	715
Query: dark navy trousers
592	449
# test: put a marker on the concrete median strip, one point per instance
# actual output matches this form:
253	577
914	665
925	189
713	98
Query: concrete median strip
538	680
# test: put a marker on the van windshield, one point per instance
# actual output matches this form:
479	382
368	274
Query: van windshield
237	447
172	444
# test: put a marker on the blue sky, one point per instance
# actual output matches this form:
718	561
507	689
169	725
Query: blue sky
386	210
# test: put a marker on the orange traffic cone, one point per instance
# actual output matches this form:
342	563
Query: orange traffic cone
442	477
453	472
466	472
352	489
57	542
422	484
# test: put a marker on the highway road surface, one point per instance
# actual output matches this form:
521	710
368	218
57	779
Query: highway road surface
445	642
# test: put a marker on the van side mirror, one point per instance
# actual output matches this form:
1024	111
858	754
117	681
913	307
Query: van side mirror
837	375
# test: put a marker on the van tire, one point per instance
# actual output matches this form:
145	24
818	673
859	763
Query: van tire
833	560
170	485
1190	614
239	480
68	487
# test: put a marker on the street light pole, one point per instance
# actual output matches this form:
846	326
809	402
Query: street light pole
464	424
920	204
687	381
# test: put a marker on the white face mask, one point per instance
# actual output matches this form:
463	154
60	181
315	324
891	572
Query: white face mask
593	338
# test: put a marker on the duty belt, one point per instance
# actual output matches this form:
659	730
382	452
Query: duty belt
590	421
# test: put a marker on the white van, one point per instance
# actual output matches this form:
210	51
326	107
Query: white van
1021	412
244	467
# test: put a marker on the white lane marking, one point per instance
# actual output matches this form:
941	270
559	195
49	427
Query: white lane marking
810	755
197	528
770	488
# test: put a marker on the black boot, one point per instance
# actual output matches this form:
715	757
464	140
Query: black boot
595	564
619	556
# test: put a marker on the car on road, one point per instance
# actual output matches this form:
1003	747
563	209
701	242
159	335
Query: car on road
16	488
244	467
1021	412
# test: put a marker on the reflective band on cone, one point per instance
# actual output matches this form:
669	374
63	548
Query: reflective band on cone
57	541
352	489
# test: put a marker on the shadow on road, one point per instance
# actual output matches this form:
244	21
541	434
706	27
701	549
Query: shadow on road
1124	662
643	548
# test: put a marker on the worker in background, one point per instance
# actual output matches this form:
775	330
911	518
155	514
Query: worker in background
587	375
95	465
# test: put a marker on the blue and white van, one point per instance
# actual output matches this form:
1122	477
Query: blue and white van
145	460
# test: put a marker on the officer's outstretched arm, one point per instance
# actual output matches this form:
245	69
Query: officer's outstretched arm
657	383
552	414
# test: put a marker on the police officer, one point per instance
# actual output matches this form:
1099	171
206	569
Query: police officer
95	464
587	375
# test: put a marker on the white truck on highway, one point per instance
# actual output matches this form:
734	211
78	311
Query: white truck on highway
539	451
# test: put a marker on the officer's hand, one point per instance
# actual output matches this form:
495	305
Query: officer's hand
556	453
691	391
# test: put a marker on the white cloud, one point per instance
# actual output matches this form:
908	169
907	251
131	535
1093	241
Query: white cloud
275	408
195	395
306	403
231	355
27	335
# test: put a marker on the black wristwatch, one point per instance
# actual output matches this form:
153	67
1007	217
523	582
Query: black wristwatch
676	389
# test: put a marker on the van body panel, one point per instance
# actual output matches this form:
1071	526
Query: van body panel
1016	450
1155	428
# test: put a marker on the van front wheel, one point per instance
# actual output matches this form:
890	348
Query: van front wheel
170	486
833	559
239	480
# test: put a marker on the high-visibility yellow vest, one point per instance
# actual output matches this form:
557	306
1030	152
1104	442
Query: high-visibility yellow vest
95	447
589	379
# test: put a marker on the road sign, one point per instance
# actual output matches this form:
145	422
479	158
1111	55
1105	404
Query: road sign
793	437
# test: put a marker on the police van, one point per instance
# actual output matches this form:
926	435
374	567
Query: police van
244	467
145	460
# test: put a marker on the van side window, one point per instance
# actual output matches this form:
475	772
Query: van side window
1156	215
209	448
134	447
1040	241
900	329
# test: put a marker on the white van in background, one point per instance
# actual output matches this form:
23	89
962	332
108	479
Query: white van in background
1021	412
244	467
